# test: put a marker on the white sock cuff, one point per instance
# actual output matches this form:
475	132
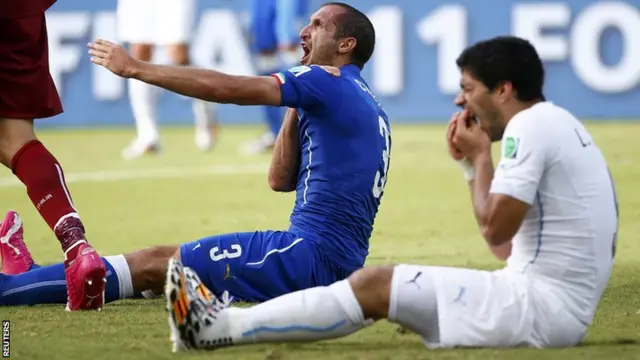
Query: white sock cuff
65	217
201	111
393	295
121	267
149	294
347	299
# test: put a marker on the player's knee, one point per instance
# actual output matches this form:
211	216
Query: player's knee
149	267
14	134
372	286
179	54
142	52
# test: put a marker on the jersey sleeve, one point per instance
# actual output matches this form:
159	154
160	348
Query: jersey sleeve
525	153
305	87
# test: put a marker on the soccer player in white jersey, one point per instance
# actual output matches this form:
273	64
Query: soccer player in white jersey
169	23
549	209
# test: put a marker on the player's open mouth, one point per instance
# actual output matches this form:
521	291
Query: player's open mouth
306	51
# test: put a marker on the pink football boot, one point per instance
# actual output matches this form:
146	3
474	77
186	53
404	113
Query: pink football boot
15	257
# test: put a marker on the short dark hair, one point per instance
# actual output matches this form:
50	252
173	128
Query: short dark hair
506	59
354	23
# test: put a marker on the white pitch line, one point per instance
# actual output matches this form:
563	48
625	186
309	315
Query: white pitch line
165	173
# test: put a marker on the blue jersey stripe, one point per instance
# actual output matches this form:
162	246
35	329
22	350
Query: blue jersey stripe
294	328
614	244
540	229
306	180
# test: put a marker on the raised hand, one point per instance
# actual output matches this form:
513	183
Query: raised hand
112	57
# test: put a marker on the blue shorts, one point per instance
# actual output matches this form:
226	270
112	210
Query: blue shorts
276	23
258	266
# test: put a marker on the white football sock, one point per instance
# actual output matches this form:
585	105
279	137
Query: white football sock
121	267
143	99
204	121
318	313
202	112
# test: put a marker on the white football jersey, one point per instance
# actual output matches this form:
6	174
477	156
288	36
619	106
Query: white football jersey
568	237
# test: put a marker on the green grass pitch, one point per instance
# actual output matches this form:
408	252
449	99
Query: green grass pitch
425	218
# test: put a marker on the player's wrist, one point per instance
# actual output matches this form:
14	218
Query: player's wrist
135	69
467	169
479	156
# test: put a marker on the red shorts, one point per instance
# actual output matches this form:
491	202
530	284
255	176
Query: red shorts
27	90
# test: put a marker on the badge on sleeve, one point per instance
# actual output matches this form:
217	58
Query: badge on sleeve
510	147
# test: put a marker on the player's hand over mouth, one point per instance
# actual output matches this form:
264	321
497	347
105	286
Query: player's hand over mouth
112	57
468	138
451	131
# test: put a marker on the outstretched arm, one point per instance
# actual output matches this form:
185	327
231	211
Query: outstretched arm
203	84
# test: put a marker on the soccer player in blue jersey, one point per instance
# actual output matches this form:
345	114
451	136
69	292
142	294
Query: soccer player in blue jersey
333	150
274	33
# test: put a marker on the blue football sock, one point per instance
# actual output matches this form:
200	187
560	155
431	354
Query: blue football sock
47	284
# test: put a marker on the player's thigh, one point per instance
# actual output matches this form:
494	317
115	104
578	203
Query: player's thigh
176	19
252	266
136	21
263	19
287	22
554	325
474	308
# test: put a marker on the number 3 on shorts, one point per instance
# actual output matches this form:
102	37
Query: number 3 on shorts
216	255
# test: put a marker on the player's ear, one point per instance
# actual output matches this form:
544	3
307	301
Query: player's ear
504	90
347	45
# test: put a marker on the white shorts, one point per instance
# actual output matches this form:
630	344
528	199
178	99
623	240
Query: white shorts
475	308
156	22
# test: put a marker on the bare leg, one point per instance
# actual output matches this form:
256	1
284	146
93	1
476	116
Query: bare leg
14	134
44	179
319	313
149	268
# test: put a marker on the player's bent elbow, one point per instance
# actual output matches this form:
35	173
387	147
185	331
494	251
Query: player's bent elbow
278	184
494	236
501	252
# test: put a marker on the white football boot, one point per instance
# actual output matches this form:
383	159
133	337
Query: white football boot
262	145
207	125
138	148
197	319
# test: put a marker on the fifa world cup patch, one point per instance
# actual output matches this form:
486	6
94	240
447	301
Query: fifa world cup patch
510	147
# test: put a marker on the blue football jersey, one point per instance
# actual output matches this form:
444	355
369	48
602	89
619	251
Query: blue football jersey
345	144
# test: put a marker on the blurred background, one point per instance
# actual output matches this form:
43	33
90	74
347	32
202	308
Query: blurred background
591	50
